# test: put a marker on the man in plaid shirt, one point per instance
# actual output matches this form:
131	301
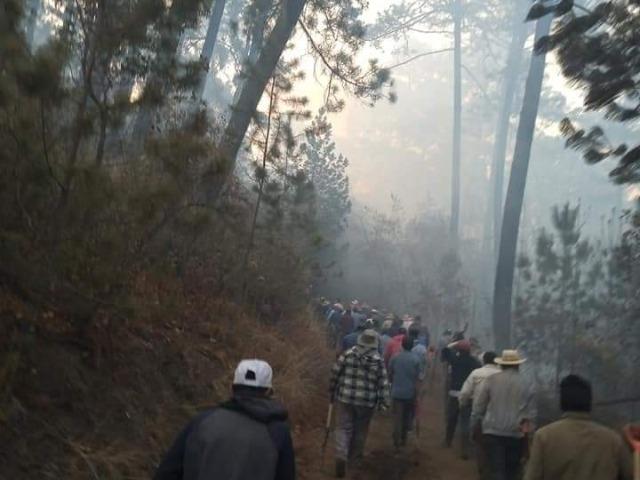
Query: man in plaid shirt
358	384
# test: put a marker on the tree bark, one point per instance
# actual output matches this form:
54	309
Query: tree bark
209	44
503	291
457	122
251	91
510	83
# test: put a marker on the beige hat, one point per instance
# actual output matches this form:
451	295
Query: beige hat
368	339
510	357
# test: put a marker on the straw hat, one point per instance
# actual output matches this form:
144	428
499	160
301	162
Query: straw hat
510	357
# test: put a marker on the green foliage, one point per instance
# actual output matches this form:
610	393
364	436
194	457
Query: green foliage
575	306
327	170
597	51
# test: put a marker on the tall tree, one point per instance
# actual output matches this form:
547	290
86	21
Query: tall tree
509	85
457	120
207	48
502	296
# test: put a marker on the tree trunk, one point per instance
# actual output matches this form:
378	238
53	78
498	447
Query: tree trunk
251	91
31	21
209	44
510	82
503	290
457	122
170	34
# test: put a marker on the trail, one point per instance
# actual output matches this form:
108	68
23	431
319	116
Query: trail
424	458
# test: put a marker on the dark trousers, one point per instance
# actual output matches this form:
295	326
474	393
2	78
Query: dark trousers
504	456
403	413
352	428
455	416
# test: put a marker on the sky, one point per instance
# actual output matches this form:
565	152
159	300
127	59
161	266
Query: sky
404	149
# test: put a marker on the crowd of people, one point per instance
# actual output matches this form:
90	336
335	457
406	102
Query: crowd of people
384	363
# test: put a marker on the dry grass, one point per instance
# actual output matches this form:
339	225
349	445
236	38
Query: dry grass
174	358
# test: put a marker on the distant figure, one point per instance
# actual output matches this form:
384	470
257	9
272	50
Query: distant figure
245	438
385	338
469	391
575	447
458	356
358	385
506	407
404	373
394	346
346	323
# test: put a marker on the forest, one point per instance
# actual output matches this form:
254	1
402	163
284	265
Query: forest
181	180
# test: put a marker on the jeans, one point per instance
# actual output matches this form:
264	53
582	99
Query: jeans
455	416
403	414
504	456
352	427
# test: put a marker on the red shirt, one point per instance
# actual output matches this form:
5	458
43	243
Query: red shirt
393	348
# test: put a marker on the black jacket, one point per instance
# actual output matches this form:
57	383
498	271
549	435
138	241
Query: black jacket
246	438
462	364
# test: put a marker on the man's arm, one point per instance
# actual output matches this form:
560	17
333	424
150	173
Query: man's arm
336	370
383	389
535	465
466	393
172	465
625	460
286	466
480	403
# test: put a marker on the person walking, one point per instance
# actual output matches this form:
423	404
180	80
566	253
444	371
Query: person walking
404	373
576	447
506	410
458	356
469	391
245	438
358	385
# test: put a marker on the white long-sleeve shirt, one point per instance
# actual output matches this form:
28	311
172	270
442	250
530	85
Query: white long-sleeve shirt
474	381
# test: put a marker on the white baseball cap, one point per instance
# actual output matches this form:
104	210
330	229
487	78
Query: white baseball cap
253	373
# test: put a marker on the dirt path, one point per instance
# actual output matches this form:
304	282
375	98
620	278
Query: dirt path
424	458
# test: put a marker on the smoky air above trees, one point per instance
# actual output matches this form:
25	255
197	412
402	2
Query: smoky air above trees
471	161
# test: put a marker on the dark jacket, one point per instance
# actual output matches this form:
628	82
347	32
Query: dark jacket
462	364
246	438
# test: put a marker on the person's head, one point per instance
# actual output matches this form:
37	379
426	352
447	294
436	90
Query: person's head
253	377
575	394
489	358
463	346
368	339
510	360
386	325
407	342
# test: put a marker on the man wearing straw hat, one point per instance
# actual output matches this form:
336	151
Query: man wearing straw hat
506	409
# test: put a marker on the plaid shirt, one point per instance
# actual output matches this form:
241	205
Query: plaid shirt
360	378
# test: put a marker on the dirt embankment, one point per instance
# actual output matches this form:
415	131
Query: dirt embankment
107	406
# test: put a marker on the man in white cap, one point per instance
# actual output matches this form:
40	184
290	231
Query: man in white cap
245	438
358	385
505	408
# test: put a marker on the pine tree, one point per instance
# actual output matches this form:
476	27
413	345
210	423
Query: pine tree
598	51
